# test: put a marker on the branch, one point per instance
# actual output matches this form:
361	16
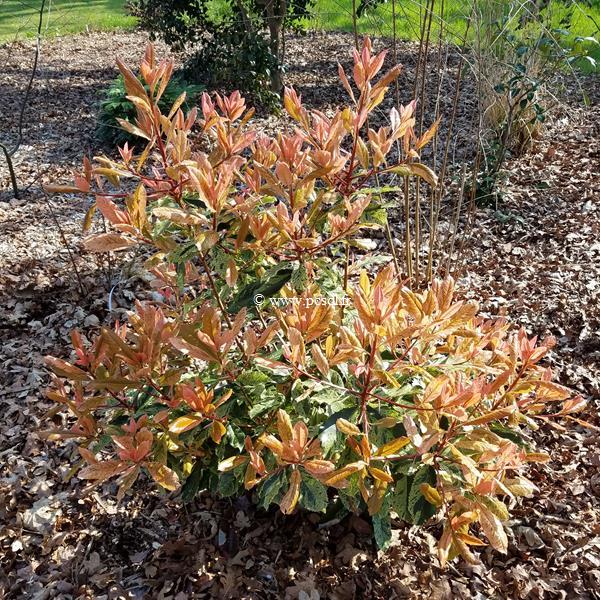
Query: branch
10	153
11	170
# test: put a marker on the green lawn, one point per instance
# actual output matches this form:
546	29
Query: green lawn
337	15
18	18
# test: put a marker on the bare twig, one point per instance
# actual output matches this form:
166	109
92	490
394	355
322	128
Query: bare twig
82	288
9	153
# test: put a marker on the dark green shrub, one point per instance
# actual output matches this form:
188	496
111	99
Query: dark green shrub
238	43
235	59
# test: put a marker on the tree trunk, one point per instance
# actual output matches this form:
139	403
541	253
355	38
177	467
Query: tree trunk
275	22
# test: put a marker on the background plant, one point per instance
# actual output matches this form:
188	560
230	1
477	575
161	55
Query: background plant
521	52
9	150
116	106
399	402
519	57
230	47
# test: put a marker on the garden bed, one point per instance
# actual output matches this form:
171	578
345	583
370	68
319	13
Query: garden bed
535	257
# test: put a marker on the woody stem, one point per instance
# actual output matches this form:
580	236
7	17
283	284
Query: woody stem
215	292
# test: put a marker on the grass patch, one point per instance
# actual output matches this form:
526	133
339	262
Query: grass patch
19	18
336	15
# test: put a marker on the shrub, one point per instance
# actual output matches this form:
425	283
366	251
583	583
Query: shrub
116	106
238	60
521	52
236	44
391	402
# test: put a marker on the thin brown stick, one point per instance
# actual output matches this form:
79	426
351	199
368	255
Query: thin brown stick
11	170
354	24
82	289
215	292
456	218
9	153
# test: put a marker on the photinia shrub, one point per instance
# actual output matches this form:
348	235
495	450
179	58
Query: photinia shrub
274	363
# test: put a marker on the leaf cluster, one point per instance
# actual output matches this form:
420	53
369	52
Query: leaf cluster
117	106
237	44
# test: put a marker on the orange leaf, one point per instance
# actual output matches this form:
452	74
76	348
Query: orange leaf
133	86
88	455
418	169
101	471
181	217
164	476
320	360
471	540
573	405
318	468
347	427
284	427
493	530
184	423
426	137
289	501
431	494
272	443
106	242
205	352
127	480
494	415
52	188
217	431
381	475
538	457
65	369
338	477
231	463
393	446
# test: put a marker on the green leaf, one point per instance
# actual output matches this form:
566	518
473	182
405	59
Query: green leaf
313	494
328	434
374	214
102	443
399	498
384	189
235	437
382	527
228	485
270	399
507	433
273	280
299	279
150	409
252	379
417	169
219	260
419	508
351	502
192	484
270	490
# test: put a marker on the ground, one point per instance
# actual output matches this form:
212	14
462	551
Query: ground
535	257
